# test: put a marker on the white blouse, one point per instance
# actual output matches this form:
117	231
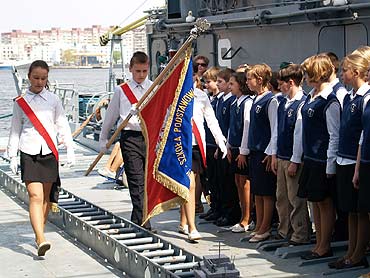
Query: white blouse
49	110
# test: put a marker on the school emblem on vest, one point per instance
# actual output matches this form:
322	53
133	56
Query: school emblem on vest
353	107
310	112
290	112
224	111
258	109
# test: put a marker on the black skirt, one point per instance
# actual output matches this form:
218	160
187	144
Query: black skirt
364	191
263	183
234	164
313	182
197	165
39	168
347	195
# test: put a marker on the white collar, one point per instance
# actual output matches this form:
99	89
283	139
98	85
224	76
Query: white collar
324	93
30	95
297	96
362	90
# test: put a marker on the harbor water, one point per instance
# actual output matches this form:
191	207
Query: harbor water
84	80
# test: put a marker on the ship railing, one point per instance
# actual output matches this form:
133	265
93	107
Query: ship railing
69	98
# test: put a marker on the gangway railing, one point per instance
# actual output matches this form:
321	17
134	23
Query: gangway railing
127	246
69	98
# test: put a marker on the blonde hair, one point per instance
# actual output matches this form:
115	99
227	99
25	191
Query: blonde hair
262	71
358	62
211	73
318	68
197	82
364	51
243	68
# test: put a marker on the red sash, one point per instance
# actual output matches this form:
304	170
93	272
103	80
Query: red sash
37	124
132	99
129	94
200	142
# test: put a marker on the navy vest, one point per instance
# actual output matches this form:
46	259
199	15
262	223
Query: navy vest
287	118
259	129
365	147
210	140
315	132
350	126
223	114
237	123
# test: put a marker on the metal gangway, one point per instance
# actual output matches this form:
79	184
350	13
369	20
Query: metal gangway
128	247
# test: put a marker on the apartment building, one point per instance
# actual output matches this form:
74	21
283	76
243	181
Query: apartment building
50	45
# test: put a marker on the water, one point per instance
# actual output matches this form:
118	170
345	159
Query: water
84	80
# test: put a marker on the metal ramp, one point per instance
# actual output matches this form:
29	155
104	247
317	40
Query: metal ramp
128	247
281	252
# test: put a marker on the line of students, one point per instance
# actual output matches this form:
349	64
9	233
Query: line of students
296	148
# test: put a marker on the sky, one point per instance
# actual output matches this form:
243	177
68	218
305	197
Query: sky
28	15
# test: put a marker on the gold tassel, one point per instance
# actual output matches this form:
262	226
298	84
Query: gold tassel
208	199
54	208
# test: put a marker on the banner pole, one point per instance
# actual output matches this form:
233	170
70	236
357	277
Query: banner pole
201	26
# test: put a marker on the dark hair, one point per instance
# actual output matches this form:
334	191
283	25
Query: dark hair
274	81
204	58
293	72
225	74
242	81
334	60
195	68
139	57
39	64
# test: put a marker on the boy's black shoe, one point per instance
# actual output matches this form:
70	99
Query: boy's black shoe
203	215
212	217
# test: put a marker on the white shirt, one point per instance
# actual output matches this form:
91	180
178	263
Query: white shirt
119	107
361	92
243	149
333	123
272	115
341	93
202	109
49	110
366	100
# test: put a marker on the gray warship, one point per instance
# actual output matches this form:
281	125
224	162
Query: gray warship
256	31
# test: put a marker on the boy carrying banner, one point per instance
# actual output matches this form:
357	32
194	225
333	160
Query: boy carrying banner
132	140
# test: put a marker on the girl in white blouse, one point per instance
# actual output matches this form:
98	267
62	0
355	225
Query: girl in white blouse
39	162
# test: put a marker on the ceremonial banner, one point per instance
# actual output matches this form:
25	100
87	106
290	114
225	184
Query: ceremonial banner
166	125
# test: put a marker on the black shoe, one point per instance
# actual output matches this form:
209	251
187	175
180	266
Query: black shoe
278	237
314	255
203	215
212	217
333	264
224	221
348	264
291	243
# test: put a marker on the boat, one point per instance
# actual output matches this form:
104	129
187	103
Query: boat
269	31
8	65
260	31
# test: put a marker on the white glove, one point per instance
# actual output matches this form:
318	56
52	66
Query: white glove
14	165
223	148
103	145
133	110
71	160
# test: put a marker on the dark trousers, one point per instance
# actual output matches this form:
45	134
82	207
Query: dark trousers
211	174
229	199
133	153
